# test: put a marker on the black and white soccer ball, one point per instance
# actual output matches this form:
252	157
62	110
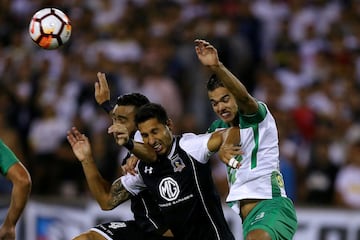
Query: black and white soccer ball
50	28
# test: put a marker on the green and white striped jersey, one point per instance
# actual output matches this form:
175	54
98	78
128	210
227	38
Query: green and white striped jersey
259	176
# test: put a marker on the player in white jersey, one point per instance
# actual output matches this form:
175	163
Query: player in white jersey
178	174
256	189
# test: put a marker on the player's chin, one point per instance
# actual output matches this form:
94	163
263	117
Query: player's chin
227	118
160	150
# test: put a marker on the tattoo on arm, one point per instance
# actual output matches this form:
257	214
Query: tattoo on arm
118	193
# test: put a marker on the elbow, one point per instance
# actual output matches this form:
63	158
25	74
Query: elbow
106	204
110	204
106	207
25	183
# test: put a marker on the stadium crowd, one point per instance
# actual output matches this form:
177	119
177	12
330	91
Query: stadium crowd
301	57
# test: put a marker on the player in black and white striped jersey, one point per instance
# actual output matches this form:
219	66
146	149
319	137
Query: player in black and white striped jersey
148	221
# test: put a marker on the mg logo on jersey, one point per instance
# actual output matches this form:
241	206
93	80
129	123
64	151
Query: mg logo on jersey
169	189
148	170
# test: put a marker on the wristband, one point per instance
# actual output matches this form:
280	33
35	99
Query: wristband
129	145
106	106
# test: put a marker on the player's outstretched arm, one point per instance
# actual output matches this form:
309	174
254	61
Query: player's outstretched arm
21	180
107	195
226	143
208	56
230	147
142	151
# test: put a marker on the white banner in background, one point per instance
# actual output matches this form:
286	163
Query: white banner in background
54	222
328	224
58	222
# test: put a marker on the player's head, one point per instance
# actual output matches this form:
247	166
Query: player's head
222	101
125	109
155	127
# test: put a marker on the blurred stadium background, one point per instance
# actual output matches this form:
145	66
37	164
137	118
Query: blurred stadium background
299	56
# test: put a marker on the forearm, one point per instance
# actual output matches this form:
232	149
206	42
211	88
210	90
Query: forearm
230	151
227	143
230	81
108	196
229	136
142	151
232	136
245	101
19	197
98	186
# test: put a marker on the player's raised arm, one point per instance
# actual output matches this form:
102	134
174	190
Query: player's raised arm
208	56
102	92
107	195
21	182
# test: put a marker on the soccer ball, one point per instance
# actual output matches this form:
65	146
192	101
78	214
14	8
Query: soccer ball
50	28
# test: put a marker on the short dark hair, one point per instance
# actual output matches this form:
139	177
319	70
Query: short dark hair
132	99
213	83
149	111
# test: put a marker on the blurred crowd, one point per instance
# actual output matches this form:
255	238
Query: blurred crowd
301	57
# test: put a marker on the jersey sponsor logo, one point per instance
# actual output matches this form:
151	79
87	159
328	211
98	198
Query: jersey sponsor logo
169	189
116	225
148	170
177	163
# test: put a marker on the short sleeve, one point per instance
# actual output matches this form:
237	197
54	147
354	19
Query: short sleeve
133	183
196	146
7	158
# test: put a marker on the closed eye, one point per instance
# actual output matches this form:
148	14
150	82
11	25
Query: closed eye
224	99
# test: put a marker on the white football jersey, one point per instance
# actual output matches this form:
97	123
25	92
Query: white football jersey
259	176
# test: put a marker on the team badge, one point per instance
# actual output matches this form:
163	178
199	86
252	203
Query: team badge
177	163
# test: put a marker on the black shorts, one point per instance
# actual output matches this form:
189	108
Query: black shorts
125	230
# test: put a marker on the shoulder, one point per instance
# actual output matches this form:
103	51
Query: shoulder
132	183
257	117
216	125
192	138
196	145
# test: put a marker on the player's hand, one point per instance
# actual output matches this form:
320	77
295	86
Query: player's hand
120	133
102	91
130	166
80	144
7	233
206	53
227	153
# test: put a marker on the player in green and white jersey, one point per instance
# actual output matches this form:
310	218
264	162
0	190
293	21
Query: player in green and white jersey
256	188
18	175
